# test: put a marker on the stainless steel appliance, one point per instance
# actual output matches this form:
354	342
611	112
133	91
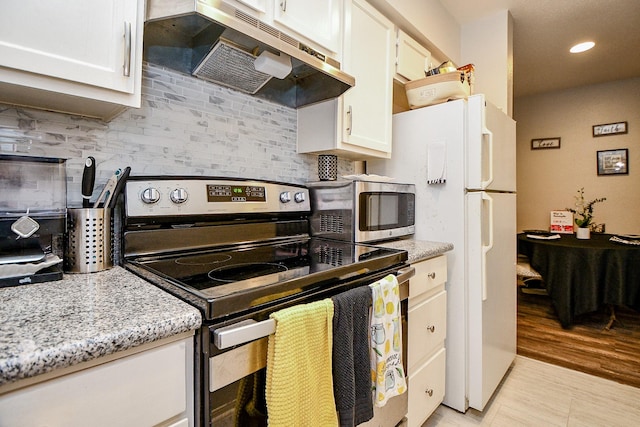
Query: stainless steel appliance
362	211
240	250
32	219
218	42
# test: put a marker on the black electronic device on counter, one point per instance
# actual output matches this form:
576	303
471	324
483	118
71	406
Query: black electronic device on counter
32	219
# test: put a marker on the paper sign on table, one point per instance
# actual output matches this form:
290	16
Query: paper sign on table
561	222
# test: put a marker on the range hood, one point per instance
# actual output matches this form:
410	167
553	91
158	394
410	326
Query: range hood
214	41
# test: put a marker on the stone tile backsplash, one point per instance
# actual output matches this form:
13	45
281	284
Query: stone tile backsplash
185	126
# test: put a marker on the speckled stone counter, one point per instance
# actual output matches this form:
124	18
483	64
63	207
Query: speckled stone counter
419	249
54	325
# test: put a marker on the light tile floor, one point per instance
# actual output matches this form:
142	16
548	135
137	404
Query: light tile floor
538	394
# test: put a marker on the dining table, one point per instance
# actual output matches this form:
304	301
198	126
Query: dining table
583	275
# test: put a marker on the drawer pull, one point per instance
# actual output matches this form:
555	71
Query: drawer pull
431	328
429	391
432	275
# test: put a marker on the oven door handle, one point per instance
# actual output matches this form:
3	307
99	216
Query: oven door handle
403	276
249	330
242	332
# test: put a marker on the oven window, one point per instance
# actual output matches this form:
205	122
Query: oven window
384	211
241	403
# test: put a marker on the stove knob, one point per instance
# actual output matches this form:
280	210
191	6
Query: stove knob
299	197
150	196
179	195
285	197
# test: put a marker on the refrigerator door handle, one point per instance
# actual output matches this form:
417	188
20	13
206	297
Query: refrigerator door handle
489	137
486	248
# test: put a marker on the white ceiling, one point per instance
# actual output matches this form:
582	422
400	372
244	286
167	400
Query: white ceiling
544	30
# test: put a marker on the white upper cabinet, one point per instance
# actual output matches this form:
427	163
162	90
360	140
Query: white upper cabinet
256	8
83	41
315	23
412	58
257	5
75	48
357	125
319	21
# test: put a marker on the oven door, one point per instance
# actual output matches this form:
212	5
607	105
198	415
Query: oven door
238	356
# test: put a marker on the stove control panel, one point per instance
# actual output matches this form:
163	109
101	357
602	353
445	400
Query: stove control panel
155	196
236	193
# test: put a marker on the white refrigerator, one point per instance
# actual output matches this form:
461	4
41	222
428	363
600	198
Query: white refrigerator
461	156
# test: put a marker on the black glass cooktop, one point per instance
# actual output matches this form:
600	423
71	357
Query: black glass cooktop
262	264
221	273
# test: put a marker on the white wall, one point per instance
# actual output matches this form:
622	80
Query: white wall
488	44
549	179
428	22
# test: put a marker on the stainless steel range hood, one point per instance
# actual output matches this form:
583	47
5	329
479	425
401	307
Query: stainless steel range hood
216	42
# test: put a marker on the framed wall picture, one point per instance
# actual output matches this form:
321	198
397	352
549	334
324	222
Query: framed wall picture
610	129
544	143
613	162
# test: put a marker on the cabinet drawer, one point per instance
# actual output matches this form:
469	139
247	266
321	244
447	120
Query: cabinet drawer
429	274
426	389
143	389
427	328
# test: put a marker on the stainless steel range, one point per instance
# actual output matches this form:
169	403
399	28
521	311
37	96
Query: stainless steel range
240	250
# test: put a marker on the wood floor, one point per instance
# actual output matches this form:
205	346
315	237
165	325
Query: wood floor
612	354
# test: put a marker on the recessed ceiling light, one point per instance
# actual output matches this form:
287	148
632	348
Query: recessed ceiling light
581	47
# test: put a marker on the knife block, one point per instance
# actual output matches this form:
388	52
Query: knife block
88	240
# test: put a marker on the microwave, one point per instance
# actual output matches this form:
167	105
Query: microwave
362	211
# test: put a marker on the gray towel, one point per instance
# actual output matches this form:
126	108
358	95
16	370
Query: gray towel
351	376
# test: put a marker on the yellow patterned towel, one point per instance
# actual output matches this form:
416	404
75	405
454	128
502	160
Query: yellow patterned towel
299	389
387	372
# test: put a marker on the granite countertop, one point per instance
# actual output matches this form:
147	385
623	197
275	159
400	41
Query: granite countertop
52	325
418	249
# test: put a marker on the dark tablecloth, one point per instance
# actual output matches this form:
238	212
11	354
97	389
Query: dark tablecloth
582	275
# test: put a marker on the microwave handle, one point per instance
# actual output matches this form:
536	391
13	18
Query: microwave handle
249	330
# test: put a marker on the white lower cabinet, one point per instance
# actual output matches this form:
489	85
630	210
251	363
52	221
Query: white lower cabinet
426	389
428	327
150	388
427	330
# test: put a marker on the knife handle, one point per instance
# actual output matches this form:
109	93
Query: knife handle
88	181
122	179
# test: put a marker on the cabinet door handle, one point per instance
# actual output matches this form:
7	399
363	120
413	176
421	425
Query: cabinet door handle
349	120
431	328
283	5
432	275
126	68
429	391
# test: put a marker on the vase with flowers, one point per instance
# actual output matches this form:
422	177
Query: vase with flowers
583	214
